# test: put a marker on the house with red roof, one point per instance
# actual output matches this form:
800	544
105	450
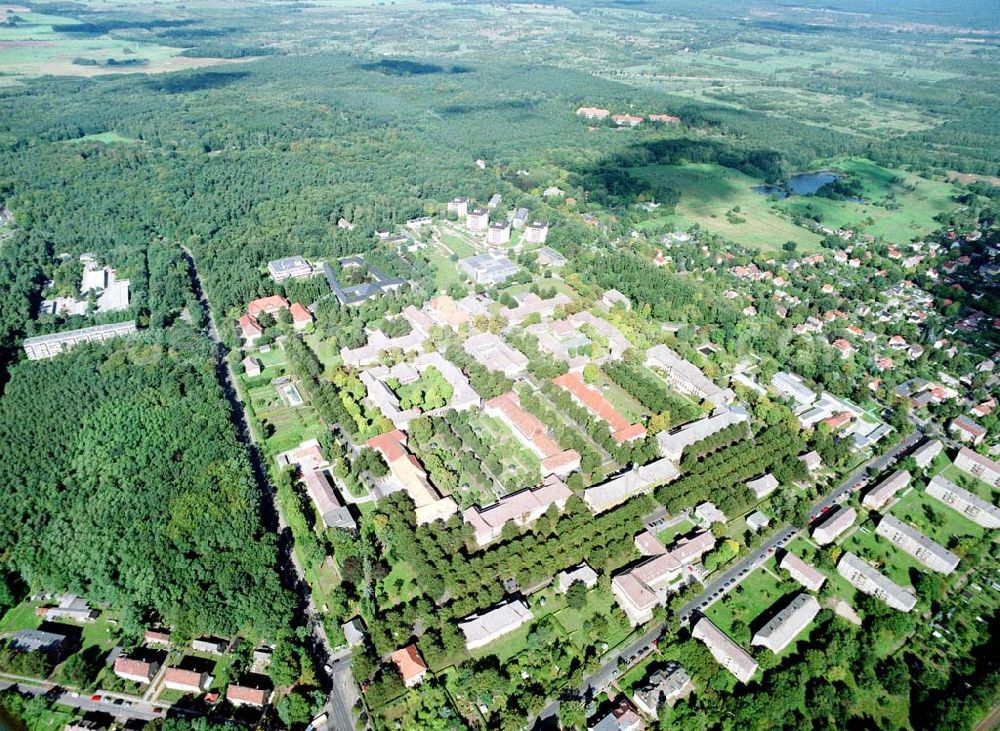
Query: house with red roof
411	666
591	399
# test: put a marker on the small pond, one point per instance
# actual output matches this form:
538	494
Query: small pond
799	184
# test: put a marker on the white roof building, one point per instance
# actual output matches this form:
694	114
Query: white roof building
930	553
673	443
757	521
794	387
970	505
482	629
684	376
763	486
726	652
628	484
886	490
520	508
831	528
866	579
707	513
787	624
980	467
495	355
582	573
530	304
926	453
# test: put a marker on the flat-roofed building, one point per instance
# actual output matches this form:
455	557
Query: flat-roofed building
763	486
928	552
498	233
866	579
331	512
477	220
886	490
291	267
520	508
640	588
549	257
926	453
802	572
483	628
491	352
787	624
533	435
673	443
48	346
582	573
37	640
488	268
726	652
684	376
834	525
536	232
459	206
639	479
792	386
969	504
980	467
138	671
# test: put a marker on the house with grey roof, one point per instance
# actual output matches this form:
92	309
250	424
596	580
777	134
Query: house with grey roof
980	467
684	376
926	453
664	687
930	553
290	267
35	640
763	486
868	580
331	512
48	346
969	504
482	629
787	624
637	480
673	443
835	524
582	573
375	285
488	268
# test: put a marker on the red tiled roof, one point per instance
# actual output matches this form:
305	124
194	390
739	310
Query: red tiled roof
130	666
391	445
300	313
593	400
409	662
267	304
243	694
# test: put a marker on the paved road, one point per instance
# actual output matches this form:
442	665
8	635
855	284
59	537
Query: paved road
608	672
137	709
730	579
343	694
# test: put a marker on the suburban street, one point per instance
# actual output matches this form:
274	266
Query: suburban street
343	693
729	579
135	710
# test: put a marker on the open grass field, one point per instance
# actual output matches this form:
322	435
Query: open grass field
913	508
107	138
749	600
669	535
20	617
709	192
880	552
916	202
33	46
967	481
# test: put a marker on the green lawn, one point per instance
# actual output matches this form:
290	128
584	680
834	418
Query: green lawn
669	535
967	481
750	599
327	351
709	192
622	401
20	617
401	583
887	558
912	508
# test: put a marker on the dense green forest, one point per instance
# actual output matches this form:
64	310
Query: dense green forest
124	483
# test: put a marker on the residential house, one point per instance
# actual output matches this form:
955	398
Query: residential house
331	512
521	508
593	113
980	467
886	490
757	521
726	652
866	579
802	572
530	304
482	629
930	553
491	352
763	486
973	507
135	670
185	681
252	367
926	453
410	665
477	220
966	430
459	206
582	573
536	232
664	687
787	624
242	695
833	525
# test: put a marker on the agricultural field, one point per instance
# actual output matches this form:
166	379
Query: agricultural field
36	44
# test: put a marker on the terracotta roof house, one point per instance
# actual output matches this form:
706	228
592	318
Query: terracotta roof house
621	430
411	665
241	695
135	670
301	317
186	681
270	305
